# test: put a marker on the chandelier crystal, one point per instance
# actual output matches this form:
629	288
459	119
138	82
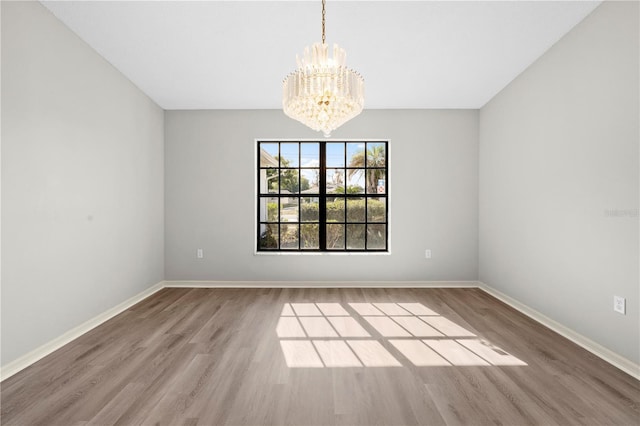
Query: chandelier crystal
323	93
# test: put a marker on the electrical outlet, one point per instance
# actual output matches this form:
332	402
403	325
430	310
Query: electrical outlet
200	254
619	304
427	254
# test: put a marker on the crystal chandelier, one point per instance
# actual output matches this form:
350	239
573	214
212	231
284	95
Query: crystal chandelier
323	93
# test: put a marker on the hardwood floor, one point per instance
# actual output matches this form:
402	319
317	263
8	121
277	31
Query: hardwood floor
355	357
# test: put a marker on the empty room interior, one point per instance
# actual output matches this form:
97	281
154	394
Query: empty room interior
213	215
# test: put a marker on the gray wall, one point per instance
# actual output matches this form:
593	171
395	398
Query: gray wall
210	197
559	181
82	186
82	182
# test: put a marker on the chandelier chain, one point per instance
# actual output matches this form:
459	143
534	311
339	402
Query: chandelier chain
323	19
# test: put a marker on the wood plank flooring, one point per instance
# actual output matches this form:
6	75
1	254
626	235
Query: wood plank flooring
309	357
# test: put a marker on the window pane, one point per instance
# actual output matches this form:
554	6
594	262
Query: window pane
310	153
288	236
355	181
376	236
376	210
355	210
268	181
355	154
335	210
268	209
355	236
335	236
309	209
376	181
309	236
288	209
268	155
288	155
309	181
335	155
289	181
376	155
268	236
335	181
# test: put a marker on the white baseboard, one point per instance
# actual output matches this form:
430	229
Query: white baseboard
600	351
322	284
24	361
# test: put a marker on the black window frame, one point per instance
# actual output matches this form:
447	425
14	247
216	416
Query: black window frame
322	197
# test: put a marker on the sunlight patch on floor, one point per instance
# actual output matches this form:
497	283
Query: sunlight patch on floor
391	309
289	327
335	335
417	309
336	353
419	353
447	327
373	354
348	327
455	353
318	327
365	309
306	309
300	354
387	327
417	327
332	309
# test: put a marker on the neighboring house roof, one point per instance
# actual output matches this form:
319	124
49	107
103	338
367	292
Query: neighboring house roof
266	158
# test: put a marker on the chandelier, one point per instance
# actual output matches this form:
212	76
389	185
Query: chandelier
323	93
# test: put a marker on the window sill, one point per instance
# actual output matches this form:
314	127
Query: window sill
321	253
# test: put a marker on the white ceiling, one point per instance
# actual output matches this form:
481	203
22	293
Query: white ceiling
234	54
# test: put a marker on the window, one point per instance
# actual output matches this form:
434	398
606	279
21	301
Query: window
322	196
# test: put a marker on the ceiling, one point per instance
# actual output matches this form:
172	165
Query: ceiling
235	54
